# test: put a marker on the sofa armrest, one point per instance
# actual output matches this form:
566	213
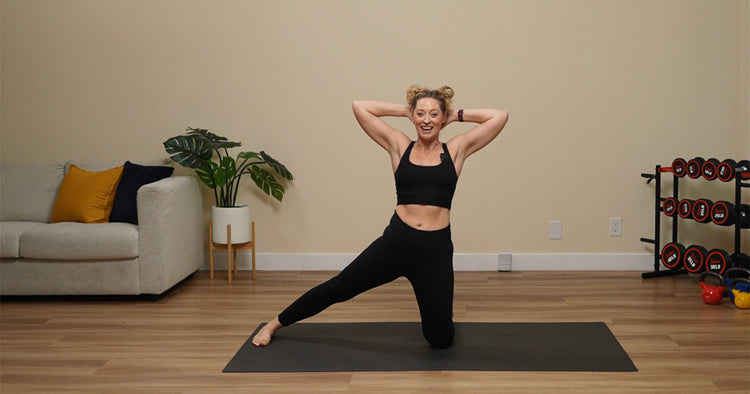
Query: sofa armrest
170	232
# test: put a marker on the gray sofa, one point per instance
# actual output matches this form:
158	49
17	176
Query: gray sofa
42	258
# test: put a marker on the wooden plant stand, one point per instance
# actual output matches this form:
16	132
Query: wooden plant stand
231	249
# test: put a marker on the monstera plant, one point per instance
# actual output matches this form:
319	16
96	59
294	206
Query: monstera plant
197	149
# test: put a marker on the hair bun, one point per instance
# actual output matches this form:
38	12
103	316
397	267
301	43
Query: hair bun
416	92
447	92
412	93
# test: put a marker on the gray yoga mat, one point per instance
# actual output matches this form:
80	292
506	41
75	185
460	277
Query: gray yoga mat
399	346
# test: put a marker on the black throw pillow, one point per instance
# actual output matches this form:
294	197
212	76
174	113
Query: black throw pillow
124	208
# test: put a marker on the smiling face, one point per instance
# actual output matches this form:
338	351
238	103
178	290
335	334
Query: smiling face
427	117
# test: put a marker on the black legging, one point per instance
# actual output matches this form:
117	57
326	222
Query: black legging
425	258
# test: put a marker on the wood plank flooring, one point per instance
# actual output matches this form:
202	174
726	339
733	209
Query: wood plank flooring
181	343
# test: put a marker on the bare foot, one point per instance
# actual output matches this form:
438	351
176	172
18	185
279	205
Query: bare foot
263	337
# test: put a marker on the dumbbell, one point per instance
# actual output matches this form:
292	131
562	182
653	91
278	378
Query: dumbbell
726	169
740	260
723	214
669	206
710	169
672	254
685	208
695	256
679	167
717	260
695	167
701	210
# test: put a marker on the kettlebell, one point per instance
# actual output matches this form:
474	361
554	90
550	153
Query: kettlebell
741	298
712	295
736	272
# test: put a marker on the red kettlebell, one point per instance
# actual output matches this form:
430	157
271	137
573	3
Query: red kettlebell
712	295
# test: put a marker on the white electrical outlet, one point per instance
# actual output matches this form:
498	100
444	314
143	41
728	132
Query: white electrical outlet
615	227
555	229
505	262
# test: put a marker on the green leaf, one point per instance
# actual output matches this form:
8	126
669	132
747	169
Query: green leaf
248	156
189	151
224	171
205	176
277	166
266	182
211	137
213	141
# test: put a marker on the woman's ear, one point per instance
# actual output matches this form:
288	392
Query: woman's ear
411	116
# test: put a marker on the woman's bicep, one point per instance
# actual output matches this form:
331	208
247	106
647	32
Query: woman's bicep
376	128
482	134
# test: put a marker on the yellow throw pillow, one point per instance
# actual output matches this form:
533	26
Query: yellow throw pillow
86	196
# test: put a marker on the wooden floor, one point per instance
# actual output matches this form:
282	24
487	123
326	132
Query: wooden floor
181	343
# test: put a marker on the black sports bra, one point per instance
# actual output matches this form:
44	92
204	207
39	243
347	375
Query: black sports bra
426	185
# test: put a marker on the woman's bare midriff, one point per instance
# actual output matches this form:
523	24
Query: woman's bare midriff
424	217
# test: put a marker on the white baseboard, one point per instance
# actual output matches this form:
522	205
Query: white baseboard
461	261
583	262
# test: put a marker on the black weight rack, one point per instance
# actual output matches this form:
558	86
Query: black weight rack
656	176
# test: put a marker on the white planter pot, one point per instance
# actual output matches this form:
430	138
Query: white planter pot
238	217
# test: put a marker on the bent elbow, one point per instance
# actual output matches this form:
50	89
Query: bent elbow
504	115
502	119
357	105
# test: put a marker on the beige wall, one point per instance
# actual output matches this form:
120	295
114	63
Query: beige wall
599	91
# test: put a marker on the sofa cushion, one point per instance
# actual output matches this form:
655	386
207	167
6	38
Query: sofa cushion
59	277
80	241
86	196
133	177
28	191
106	165
10	237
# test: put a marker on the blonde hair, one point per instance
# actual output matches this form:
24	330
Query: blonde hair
444	96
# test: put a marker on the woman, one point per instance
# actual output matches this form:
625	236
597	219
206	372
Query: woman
417	242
